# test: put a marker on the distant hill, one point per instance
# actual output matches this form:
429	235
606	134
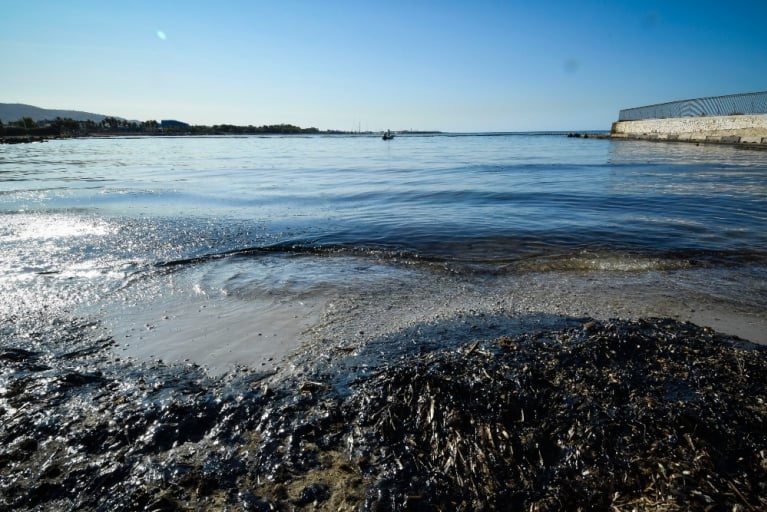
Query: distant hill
15	111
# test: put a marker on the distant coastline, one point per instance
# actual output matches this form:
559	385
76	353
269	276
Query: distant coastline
21	123
22	131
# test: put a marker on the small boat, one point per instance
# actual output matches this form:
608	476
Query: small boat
387	135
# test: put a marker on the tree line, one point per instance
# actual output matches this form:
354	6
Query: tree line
67	127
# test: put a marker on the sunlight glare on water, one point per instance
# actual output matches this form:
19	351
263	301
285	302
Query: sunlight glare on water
252	227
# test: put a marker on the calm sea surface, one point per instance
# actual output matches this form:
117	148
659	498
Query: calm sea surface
83	220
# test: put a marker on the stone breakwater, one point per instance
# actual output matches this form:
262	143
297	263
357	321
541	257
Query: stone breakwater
735	129
622	415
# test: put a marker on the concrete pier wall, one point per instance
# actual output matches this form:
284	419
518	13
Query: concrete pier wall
743	129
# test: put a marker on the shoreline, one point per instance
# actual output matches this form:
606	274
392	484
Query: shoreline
733	141
392	395
730	141
609	405
221	333
178	361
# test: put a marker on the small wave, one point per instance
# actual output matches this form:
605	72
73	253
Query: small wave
300	248
590	261
636	262
475	257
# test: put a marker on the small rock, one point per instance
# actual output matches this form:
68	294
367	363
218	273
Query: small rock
313	493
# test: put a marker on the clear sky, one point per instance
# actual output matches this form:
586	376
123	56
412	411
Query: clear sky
423	65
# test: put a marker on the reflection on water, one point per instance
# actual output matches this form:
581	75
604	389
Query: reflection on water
254	226
682	153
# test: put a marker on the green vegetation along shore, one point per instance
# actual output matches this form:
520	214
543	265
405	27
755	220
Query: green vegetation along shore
27	129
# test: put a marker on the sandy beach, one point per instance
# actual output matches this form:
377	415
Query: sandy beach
470	411
224	333
448	323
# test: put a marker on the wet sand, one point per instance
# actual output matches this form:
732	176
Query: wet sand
217	334
220	334
652	415
506	300
464	393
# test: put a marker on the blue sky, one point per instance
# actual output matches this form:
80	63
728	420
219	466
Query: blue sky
427	65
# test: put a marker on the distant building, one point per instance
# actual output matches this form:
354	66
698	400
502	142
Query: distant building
172	123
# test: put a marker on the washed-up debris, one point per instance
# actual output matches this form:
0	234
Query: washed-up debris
645	415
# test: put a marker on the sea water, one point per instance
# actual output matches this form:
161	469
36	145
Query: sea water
199	247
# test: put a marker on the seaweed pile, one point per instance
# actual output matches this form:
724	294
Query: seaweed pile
81	429
651	414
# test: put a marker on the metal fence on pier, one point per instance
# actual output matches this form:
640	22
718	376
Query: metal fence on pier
733	104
